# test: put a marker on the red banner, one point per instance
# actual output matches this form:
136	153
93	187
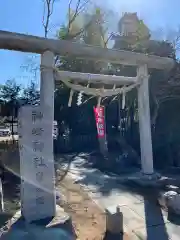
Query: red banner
100	123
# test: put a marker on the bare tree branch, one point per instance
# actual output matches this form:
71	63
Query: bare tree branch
79	8
47	12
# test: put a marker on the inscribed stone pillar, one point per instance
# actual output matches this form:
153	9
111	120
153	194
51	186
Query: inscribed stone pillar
36	149
36	164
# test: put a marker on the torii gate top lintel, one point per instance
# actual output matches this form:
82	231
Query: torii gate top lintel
34	44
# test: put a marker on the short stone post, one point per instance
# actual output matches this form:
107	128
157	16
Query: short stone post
114	220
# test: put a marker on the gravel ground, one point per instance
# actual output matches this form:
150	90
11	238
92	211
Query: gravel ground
88	220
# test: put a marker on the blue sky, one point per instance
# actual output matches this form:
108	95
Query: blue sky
25	16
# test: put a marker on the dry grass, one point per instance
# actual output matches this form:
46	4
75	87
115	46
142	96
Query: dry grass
88	219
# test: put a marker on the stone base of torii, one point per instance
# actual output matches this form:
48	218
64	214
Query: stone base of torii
57	227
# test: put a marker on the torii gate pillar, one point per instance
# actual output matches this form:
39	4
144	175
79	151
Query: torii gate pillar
144	122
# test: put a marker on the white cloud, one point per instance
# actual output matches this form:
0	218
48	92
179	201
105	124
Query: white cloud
152	12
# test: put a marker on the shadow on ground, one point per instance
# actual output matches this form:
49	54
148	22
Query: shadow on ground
106	181
155	224
39	230
11	196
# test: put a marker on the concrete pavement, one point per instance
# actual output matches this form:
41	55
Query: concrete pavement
143	219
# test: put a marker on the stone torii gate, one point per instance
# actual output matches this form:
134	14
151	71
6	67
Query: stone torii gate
48	48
